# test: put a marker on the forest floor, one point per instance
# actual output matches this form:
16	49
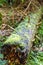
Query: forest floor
12	16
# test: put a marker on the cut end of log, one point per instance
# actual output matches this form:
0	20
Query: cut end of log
14	53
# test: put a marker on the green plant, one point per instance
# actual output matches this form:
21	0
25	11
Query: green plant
0	18
2	2
10	1
35	58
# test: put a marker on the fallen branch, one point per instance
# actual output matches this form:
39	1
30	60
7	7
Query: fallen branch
20	42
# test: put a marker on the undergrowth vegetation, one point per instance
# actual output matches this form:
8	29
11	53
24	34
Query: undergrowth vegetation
3	2
11	16
36	56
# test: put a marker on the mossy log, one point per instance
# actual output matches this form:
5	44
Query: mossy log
17	47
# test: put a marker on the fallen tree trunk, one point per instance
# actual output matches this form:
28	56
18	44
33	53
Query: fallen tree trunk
18	45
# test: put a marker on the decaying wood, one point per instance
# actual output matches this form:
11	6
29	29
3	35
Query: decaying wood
21	38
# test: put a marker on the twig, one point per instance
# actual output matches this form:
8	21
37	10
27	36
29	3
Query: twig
39	23
35	5
11	27
28	5
25	10
37	37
